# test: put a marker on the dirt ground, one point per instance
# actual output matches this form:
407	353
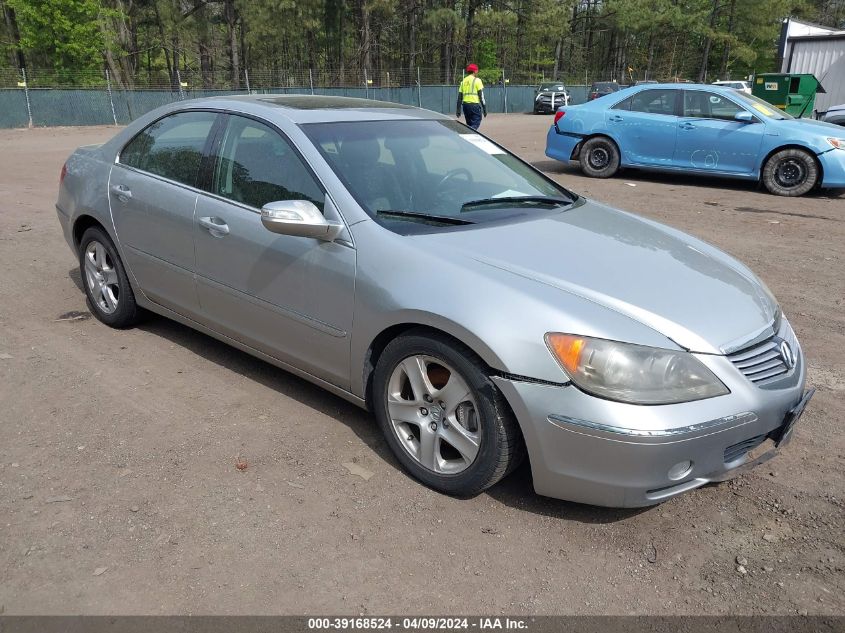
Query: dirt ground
119	492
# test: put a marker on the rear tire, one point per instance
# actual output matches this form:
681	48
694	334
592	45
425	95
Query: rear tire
107	289
473	440
790	172
599	157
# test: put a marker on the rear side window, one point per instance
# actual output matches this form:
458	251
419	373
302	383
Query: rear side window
255	165
171	147
655	101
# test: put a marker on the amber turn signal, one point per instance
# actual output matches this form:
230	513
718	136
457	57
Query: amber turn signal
567	349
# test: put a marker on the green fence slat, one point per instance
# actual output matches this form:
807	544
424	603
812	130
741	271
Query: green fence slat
65	106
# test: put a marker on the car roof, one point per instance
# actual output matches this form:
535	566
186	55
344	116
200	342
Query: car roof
306	108
682	86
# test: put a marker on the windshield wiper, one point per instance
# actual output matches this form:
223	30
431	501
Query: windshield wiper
542	200
443	219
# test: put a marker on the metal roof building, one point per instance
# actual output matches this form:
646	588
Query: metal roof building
818	50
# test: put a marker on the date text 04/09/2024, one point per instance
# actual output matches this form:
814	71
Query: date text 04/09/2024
417	623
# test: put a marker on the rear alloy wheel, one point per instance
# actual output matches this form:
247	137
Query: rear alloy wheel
790	172
442	416
107	288
599	157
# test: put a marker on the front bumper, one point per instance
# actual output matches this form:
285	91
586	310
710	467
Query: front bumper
833	168
599	452
546	106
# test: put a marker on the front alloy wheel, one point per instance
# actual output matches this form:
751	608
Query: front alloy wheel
441	414
433	414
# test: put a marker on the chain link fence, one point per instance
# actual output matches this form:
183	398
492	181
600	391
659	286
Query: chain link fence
53	97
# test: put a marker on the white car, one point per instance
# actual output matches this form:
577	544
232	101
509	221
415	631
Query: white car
742	86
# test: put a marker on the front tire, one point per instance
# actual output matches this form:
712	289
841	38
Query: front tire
790	172
599	157
442	416
107	290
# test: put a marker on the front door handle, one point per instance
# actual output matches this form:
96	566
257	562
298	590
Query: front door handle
215	226
686	125
616	118
121	191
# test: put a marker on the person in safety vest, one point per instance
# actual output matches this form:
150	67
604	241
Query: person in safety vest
471	98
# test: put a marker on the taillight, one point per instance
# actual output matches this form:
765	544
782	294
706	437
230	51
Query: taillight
63	174
559	115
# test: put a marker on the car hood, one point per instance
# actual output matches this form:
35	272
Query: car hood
687	290
812	126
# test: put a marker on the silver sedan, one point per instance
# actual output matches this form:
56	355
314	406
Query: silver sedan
481	311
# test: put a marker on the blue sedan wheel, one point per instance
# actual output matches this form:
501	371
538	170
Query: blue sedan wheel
599	157
790	172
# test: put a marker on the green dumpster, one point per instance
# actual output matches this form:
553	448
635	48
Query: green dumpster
794	94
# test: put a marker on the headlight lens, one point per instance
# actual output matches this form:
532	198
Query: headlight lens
633	373
838	143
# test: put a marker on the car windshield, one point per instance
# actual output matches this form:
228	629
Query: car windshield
432	172
552	87
608	85
762	107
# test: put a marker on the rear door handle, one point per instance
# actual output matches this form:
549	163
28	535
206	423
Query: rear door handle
215	226
616	118
686	125
121	191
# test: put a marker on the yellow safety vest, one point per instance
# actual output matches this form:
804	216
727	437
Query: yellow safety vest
470	87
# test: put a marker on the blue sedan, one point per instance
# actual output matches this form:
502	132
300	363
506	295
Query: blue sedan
700	129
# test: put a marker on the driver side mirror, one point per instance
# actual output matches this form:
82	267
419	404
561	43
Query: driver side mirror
300	218
744	117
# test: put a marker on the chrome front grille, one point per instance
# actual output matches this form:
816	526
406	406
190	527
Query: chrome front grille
546	97
764	362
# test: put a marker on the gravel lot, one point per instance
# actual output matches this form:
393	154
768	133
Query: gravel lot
119	492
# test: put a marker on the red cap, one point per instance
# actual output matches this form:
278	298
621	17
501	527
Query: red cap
472	68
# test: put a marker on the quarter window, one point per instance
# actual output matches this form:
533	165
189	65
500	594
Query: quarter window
256	165
171	147
709	105
625	104
655	101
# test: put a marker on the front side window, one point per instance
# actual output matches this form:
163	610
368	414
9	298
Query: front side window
423	170
255	165
171	147
655	101
709	105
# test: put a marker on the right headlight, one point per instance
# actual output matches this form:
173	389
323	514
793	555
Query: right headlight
633	373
